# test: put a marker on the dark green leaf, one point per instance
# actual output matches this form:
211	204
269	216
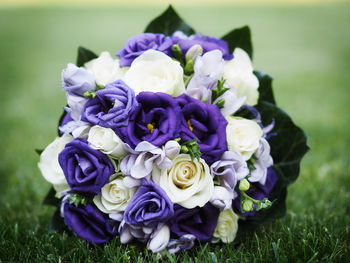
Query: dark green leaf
50	198
265	87
60	121
84	55
38	151
239	37
288	146
57	223
169	22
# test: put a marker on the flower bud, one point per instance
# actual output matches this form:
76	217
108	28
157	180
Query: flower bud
247	206
193	52
244	185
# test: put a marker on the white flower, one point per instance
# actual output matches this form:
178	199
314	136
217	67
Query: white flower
156	72
114	197
238	72
105	140
49	166
159	239
188	183
226	228
105	69
222	197
243	136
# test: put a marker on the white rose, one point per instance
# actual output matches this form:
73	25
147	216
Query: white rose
105	140
243	136
105	69
238	72
114	197
188	183
156	72
227	227
49	166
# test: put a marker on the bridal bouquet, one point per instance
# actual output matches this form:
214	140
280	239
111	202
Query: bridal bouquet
174	140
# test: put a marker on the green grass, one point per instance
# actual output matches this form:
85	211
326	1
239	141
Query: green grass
306	49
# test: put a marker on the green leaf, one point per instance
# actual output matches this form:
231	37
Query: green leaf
169	22
57	223
239	37
265	87
288	146
84	55
60	121
50	198
38	151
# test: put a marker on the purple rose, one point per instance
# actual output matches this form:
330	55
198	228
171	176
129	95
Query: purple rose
136	45
87	170
149	206
89	223
205	122
200	222
257	191
157	120
207	43
111	107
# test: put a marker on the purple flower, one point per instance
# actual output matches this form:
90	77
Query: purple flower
111	107
207	43
205	122
136	45
89	223
76	80
149	206
200	222
156	121
87	170
257	191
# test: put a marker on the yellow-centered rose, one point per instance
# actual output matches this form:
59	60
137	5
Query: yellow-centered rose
188	183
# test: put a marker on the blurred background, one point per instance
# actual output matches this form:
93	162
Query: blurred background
303	44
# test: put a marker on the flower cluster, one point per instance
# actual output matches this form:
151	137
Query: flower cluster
152	147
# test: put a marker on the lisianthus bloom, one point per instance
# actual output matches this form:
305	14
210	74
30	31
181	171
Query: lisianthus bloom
111	107
207	43
89	223
200	222
87	170
204	122
77	80
137	45
149	206
157	120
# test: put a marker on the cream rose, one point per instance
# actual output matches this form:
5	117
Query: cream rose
114	197
227	227
105	69
49	166
156	72
238	73
243	136
188	183
105	140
